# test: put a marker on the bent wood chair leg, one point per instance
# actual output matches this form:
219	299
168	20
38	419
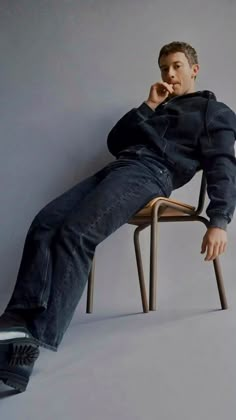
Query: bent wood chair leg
153	264
220	283
90	290
218	272
140	267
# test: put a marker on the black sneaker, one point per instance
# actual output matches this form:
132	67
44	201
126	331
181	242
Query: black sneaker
18	353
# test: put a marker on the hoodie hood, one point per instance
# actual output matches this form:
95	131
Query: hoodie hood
204	93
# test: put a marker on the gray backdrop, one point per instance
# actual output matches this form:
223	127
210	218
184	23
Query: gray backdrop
69	70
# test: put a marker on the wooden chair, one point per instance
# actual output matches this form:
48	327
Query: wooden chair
161	209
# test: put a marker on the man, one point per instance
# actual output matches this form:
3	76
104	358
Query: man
158	146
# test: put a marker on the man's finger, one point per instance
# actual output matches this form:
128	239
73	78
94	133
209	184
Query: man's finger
210	249
165	86
168	87
222	248
216	252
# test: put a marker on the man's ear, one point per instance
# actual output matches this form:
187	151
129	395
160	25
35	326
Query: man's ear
195	70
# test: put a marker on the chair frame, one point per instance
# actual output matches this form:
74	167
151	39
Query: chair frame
158	207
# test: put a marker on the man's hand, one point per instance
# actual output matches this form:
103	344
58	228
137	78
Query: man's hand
214	242
158	93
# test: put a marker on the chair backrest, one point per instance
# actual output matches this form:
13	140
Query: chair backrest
202	194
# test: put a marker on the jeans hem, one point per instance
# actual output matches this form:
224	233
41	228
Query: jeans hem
27	305
42	343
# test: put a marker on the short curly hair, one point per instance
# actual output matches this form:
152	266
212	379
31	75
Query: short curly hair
177	46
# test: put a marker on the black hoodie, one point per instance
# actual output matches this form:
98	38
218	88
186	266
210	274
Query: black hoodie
188	132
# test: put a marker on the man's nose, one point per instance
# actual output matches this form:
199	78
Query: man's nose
171	74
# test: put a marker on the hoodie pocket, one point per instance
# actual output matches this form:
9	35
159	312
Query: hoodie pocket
152	132
178	162
155	127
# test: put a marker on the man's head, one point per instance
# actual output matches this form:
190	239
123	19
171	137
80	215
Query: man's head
179	66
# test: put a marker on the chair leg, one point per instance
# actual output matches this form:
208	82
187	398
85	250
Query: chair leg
140	268
90	290
218	272
153	265
220	283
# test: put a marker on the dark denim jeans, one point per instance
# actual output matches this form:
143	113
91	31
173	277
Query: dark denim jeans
62	238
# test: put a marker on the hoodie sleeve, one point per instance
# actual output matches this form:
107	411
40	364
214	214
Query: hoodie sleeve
123	132
219	165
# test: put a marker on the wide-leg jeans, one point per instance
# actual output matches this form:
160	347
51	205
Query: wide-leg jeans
62	238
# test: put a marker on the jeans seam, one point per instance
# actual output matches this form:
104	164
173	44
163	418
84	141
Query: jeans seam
69	266
147	180
127	193
45	274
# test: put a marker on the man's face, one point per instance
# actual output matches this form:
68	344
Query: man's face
176	70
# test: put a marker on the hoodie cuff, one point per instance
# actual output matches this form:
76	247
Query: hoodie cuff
218	221
145	110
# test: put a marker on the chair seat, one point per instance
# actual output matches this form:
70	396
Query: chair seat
165	210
